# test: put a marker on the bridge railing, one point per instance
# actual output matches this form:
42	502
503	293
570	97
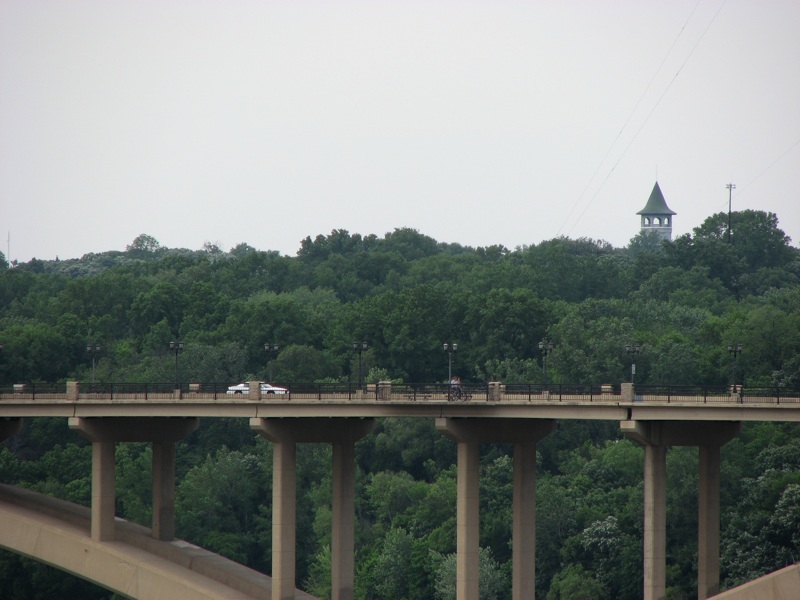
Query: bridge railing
130	391
332	392
31	390
326	391
711	394
770	395
705	394
439	392
558	392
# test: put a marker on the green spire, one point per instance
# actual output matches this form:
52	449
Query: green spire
656	205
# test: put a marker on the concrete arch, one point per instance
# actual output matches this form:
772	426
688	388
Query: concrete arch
135	565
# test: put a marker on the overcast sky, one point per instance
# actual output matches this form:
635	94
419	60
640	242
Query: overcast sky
475	122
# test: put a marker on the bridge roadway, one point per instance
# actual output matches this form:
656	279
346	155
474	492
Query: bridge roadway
493	414
650	403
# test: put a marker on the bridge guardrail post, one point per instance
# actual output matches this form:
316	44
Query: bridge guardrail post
627	392
495	391
384	391
73	389
736	393
254	390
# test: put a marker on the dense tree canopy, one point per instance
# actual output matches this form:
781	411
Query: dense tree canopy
406	294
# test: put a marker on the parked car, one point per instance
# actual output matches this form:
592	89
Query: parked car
266	388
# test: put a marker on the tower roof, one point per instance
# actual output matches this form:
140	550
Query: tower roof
656	205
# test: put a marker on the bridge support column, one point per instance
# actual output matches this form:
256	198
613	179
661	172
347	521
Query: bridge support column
103	491
656	436
467	521
284	500
523	537
468	433
285	434
708	523
655	522
164	491
343	517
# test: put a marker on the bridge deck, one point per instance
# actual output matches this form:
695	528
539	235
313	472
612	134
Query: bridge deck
604	406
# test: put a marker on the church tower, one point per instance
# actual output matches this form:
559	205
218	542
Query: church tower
656	215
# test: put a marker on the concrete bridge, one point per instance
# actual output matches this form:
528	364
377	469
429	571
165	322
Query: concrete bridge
151	564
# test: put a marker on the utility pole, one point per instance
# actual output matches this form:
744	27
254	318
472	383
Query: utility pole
730	187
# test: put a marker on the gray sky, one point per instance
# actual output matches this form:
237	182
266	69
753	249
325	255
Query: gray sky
476	122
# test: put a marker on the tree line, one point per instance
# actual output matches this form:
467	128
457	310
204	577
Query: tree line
405	294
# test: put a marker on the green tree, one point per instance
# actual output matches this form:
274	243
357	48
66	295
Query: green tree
394	566
574	583
163	302
216	501
143	243
490	579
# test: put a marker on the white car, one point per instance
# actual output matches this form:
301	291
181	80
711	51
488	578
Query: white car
266	388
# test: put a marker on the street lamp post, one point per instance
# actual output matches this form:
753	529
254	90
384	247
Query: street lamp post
359	347
546	348
450	349
177	348
272	349
633	350
93	349
734	349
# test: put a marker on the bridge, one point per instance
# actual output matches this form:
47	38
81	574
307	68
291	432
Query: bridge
148	563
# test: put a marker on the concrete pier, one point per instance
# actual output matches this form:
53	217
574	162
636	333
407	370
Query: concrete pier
104	433
656	437
285	434
469	434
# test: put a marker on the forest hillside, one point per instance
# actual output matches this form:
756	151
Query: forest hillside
405	294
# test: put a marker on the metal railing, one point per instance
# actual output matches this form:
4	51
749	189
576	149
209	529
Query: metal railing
682	393
441	392
711	394
325	391
557	392
769	394
432	392
34	389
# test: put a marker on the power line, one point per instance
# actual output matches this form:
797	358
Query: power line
763	171
772	164
647	118
630	115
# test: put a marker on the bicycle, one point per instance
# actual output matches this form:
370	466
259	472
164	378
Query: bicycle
457	394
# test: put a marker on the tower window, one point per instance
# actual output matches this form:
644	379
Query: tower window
657	221
647	220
